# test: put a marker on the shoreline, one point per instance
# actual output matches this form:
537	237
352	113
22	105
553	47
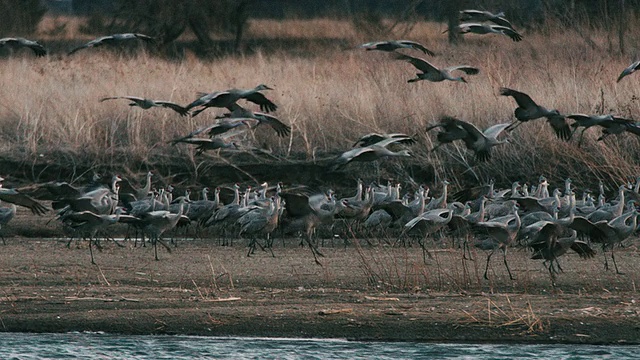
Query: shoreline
209	290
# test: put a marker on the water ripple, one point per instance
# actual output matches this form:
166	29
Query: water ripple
21	346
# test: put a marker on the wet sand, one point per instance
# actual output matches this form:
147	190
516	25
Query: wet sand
361	292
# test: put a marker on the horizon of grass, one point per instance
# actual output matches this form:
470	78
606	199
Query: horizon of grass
331	95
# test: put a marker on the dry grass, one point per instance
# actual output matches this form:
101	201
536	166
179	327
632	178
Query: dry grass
330	96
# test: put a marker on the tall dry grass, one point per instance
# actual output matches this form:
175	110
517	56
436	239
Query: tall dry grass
331	94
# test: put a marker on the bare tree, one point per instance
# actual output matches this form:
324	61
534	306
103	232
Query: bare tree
168	19
622	25
453	10
20	17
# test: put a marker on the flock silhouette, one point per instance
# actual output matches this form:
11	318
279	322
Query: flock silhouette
490	219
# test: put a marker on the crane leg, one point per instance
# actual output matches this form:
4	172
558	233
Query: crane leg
486	268
504	258
155	248
466	250
512	127
606	262
425	252
581	137
615	265
268	246
251	247
314	251
91	252
559	270
552	274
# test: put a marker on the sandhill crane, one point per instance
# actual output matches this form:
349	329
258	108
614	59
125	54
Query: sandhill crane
476	192
536	216
373	138
505	194
137	208
89	223
222	126
145	103
611	124
137	193
204	144
548	204
542	191
608	212
156	223
264	221
618	126
483	29
482	16
358	196
428	223
550	247
19	42
357	210
101	201
223	129
228	98
498	235
15	197
450	131
440	202
55	190
629	70
380	218
528	110
460	225
112	40
6	214
201	210
397	212
225	214
616	231
396	44
306	212
368	153
434	74
480	142
239	113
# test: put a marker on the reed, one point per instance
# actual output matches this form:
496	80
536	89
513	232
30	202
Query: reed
331	93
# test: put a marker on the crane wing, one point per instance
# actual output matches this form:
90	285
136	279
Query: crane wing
14	197
418	63
523	100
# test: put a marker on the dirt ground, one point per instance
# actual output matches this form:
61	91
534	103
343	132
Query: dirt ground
361	292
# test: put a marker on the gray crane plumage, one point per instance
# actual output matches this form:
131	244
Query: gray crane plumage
113	40
145	103
431	73
393	45
528	110
18	42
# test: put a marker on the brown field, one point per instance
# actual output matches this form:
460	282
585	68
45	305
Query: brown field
330	92
52	127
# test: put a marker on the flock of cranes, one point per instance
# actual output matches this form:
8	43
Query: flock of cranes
491	219
487	218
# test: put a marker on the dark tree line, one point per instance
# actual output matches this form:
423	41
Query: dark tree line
169	19
20	17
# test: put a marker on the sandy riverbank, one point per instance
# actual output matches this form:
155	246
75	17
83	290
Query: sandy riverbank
359	293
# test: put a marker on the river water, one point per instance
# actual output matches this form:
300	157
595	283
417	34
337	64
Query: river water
106	346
